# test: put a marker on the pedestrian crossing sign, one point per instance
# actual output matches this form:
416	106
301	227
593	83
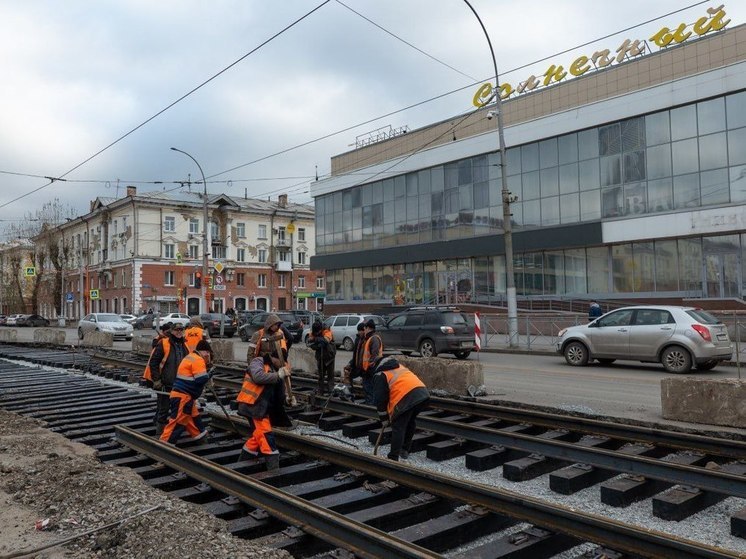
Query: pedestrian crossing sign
94	293
30	271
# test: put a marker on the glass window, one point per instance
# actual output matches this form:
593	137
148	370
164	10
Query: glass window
633	134
714	187
530	185
589	175
481	196
356	197
169	224
644	261
660	195
590	205
513	156
683	122
635	199
569	208
554	273
666	266
531	213
738	186
737	147
623	273
616	318
550	211
713	151
598	269
261	232
193	225
466	201
366	195
659	161
568	178
686	191
377	192
241	230
736	110
400	187
241	255
611	170
548	153
530	157
685	157
464	171
169	251
711	116
657	129
690	265
549	182
588	144
568	148
423	181
480	169
388	190
611	202
575	276
609	139
634	166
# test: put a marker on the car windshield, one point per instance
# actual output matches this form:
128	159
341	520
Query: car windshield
109	318
702	317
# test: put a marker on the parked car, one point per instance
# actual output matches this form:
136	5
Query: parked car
145	321
105	322
289	321
211	323
31	320
308	317
676	337
429	331
173	318
11	320
129	318
344	327
3	318
242	317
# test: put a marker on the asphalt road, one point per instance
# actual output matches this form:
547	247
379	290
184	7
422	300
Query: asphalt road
624	389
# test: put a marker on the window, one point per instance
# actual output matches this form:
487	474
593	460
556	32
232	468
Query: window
215	231
124	278
301	258
283	256
262	255
193	252
218	252
168	251
281	282
281	234
261	232
301	234
168	278
191	279
169	223
193	225
240	279
241	254
241	230
319	283
301	281
261	280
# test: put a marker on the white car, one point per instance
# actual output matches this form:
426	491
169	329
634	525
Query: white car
173	318
105	322
11	320
130	318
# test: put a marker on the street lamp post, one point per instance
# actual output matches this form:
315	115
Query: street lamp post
204	232
506	199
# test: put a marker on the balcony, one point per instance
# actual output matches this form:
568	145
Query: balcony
282	242
284	266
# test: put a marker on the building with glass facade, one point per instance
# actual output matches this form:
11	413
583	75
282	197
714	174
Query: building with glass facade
630	183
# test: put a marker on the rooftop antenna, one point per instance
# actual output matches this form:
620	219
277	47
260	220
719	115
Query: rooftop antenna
317	172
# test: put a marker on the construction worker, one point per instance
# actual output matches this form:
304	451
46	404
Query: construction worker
191	378
399	397
272	332
372	349
163	363
194	333
260	399
322	341
352	369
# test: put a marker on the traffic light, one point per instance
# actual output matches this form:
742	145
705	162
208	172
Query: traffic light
198	280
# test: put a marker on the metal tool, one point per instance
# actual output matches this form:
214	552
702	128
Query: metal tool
340	391
289	397
378	441
222	407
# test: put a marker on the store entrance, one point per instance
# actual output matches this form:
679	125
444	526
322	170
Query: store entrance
722	275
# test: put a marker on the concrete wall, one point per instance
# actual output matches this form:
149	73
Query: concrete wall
142	343
715	402
450	375
97	339
10	336
222	351
49	336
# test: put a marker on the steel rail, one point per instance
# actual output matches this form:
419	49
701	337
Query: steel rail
707	480
334	528
619	536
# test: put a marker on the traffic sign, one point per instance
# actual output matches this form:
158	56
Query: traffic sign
30	271
218	266
290	228
219	287
69	297
94	294
218	280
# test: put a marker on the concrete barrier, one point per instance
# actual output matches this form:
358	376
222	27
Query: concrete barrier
222	351
715	402
453	376
303	358
10	336
142	343
97	339
49	336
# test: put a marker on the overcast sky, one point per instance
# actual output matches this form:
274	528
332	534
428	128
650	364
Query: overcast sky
77	75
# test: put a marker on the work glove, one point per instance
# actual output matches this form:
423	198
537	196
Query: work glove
283	373
211	372
157	385
276	362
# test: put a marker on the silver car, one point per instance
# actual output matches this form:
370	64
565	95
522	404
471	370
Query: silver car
105	322
676	337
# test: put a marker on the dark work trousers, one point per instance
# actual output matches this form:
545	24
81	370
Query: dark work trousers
368	389
325	366
162	405
402	430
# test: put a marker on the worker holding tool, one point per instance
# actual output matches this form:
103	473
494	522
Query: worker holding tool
352	369
194	333
372	349
260	401
399	397
191	378
162	366
322	341
274	338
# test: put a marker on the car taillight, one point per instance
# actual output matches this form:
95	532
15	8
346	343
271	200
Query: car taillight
703	331
446	329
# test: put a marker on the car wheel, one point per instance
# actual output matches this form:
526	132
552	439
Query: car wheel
80	334
347	344
606	361
707	365
576	354
230	335
676	359
461	354
427	348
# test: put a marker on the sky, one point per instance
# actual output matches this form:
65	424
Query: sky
81	75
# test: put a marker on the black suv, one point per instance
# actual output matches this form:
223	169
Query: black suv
289	321
429	331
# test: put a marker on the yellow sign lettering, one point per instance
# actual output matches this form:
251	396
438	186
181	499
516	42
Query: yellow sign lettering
506	90
483	95
633	48
528	85
554	73
579	66
715	23
601	58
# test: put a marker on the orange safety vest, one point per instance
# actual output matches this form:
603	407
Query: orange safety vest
258	349
250	391
148	375
401	382
192	336
367	358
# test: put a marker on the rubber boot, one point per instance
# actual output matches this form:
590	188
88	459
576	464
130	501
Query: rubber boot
245	455
159	427
272	461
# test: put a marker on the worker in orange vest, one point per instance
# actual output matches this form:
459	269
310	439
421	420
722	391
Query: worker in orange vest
322	341
194	333
191	378
372	349
162	366
399	397
260	399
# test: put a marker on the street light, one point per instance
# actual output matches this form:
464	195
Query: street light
506	199
204	232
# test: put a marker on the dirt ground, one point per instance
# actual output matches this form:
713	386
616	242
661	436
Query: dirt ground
45	476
